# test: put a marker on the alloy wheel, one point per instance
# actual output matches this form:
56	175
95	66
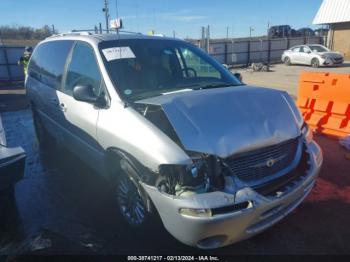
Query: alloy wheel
130	202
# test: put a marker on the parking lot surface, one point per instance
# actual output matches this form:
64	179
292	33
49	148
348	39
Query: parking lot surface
62	207
285	77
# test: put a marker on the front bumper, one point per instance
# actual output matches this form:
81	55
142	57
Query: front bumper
227	228
12	162
331	62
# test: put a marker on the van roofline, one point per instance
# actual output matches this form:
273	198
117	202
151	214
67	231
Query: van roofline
107	37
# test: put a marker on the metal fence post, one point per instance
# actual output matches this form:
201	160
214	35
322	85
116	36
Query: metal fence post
226	53
248	54
232	42
268	53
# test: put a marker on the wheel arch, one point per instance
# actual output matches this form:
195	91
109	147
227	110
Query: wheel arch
119	161
315	58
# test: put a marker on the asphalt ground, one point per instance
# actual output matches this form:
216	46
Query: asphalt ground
284	77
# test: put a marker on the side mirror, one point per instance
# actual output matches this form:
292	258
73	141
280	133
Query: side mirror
85	94
238	76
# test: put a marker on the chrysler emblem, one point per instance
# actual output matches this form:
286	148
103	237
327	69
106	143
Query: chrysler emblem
270	162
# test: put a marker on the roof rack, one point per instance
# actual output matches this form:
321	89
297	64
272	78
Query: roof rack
93	31
73	32
111	31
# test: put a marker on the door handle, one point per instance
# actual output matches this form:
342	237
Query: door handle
63	107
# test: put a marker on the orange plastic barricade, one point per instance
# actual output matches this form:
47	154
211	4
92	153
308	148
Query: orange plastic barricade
324	101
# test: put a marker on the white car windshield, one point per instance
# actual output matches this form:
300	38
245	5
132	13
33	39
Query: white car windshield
318	48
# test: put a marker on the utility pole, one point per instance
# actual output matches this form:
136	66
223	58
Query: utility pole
202	42
250	31
207	39
106	11
268	46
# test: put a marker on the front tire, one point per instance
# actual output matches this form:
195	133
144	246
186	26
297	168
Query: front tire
315	63
129	198
130	202
287	61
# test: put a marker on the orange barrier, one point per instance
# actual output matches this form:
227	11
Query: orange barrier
324	101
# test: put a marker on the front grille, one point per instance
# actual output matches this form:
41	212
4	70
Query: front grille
338	60
262	163
289	180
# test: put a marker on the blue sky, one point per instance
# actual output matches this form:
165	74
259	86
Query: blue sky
184	16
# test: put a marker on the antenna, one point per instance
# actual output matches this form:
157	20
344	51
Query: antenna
106	11
117	15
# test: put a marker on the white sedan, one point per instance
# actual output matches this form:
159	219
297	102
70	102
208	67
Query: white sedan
314	55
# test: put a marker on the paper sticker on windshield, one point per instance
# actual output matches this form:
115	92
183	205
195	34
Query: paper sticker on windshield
115	53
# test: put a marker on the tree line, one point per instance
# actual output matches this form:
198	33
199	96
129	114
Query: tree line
25	32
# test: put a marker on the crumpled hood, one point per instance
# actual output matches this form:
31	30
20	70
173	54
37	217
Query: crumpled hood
229	120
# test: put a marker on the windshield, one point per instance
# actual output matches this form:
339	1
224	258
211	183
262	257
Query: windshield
318	48
142	68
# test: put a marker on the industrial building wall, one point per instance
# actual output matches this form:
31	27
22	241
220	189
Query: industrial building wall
341	38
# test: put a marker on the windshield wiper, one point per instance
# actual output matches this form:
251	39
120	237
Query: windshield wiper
212	86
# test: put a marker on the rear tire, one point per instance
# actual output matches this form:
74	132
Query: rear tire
287	61
315	63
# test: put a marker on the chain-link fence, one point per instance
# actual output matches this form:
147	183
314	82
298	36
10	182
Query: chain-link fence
10	71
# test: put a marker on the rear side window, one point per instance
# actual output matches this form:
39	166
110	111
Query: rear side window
83	69
296	49
304	49
48	62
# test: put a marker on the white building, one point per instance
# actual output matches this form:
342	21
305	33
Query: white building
336	14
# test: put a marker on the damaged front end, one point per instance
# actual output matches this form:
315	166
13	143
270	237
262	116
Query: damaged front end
196	121
204	175
207	173
252	164
209	205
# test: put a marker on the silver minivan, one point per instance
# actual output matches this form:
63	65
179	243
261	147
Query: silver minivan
175	133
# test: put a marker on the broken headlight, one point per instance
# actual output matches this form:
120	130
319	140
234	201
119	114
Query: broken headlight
307	133
179	179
